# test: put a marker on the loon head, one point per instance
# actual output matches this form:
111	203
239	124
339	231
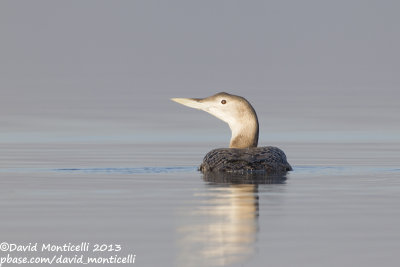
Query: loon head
232	109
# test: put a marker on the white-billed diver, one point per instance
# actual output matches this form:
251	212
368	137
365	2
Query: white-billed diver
243	153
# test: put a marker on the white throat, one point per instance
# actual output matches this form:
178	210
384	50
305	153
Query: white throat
244	132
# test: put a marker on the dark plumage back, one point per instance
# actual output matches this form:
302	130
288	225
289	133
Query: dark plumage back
267	159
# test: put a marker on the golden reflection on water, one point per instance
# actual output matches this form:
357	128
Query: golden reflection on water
226	230
222	230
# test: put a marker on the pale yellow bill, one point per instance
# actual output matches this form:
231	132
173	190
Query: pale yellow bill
190	102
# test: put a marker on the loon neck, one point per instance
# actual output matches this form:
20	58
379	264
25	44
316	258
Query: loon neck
244	132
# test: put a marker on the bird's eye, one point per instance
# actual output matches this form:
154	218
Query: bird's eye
223	102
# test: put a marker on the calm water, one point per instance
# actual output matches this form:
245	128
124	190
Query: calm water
339	207
92	149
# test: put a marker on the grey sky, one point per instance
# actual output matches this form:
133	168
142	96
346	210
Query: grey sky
61	57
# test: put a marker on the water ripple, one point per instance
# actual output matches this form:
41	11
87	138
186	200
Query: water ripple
299	169
140	170
339	170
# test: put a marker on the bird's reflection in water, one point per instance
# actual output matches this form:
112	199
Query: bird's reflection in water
222	229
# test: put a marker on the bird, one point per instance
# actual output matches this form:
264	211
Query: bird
243	155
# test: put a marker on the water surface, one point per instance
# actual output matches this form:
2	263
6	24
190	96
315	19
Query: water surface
339	207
